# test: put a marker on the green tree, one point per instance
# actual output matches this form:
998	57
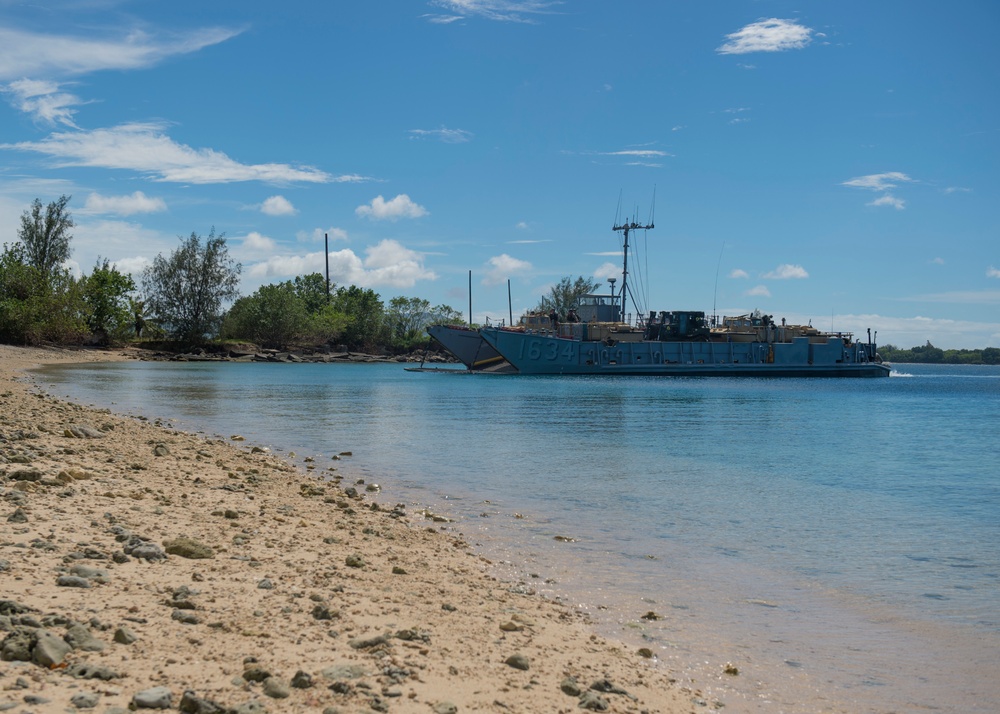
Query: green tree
46	236
407	318
272	317
566	294
991	355
35	308
365	313
106	293
186	291
312	290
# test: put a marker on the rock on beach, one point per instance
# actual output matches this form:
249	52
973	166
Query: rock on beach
151	569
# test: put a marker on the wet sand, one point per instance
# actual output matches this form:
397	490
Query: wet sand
140	565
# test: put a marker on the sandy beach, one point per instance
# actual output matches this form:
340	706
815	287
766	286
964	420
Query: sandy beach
143	567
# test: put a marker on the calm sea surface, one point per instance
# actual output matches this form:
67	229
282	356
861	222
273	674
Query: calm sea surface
836	540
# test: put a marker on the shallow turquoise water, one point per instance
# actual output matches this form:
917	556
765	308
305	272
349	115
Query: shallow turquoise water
779	523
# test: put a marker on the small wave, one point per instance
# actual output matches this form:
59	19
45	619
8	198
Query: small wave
894	373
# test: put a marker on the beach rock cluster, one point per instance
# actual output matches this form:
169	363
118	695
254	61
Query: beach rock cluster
206	577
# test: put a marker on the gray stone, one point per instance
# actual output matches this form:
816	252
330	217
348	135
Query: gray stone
188	548
155	698
85	700
81	638
594	702
124	636
355	561
445	708
146	551
276	688
72	581
89	572
50	649
571	687
82	431
302	680
161	450
251	707
85	670
518	661
185	617
18	516
193	704
17	646
255	674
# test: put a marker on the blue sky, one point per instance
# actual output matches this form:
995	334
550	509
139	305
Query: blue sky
835	162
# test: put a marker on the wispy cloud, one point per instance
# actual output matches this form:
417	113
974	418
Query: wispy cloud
758	291
277	206
881	182
888	200
399	207
499	10
640	153
878	182
501	267
992	272
137	202
940	261
43	100
772	35
608	270
35	54
144	147
444	135
786	272
738	273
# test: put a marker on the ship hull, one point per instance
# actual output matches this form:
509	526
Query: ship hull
466	345
544	354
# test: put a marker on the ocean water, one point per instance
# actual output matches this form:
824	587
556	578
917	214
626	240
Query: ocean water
837	541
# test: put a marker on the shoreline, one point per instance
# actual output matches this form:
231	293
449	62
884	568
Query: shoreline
308	584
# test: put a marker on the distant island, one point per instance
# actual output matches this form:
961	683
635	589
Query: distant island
929	354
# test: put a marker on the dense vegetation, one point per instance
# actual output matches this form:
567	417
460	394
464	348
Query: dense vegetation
929	354
182	298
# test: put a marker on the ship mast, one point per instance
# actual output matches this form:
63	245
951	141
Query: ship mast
625	228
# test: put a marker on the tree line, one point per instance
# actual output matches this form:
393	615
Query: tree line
929	354
182	297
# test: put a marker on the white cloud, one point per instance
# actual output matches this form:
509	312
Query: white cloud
608	270
888	200
758	291
137	202
144	147
521	225
399	207
503	267
254	242
786	272
278	206
26	54
957	189
387	264
738	273
879	182
444	135
43	101
121	242
937	261
500	10
992	272
772	35
133	266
